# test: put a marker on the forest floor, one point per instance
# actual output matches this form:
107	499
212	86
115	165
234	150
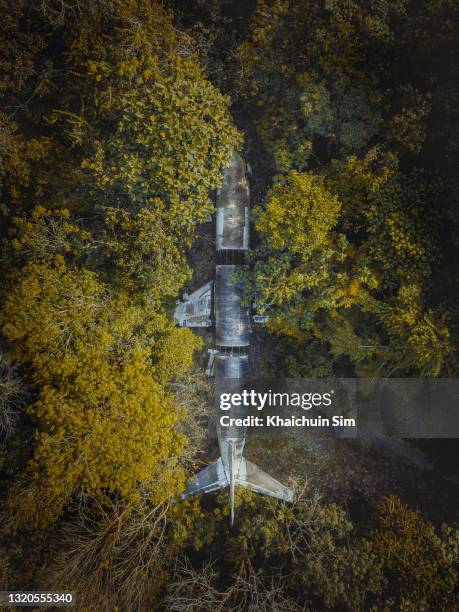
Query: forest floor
356	473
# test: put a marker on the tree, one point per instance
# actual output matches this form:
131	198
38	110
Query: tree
418	560
116	554
151	134
43	234
420	337
196	589
11	162
294	226
317	73
193	393
408	126
393	217
310	555
353	333
301	265
310	359
389	213
355	180
148	256
298	214
13	396
107	194
402	229
121	97
104	421
20	46
280	554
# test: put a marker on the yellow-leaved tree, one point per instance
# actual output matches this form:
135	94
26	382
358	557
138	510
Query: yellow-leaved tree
103	419
301	255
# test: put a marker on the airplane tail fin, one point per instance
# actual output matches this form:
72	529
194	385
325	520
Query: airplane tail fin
233	476
247	474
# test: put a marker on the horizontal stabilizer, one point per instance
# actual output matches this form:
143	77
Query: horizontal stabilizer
256	479
211	478
247	475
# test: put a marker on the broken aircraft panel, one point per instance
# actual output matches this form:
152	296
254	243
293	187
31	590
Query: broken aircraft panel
195	310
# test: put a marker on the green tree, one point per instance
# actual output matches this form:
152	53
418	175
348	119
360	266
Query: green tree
319	85
420	338
116	554
148	256
419	562
304	554
43	234
151	134
402	229
137	137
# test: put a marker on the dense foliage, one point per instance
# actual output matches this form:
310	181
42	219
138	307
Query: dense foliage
114	130
338	101
309	555
112	142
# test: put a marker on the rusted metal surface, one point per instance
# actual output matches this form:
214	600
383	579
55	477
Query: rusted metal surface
232	318
233	208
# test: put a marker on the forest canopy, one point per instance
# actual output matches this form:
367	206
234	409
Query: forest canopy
348	95
96	231
117	118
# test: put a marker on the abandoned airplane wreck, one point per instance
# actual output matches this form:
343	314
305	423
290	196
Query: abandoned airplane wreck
219	303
